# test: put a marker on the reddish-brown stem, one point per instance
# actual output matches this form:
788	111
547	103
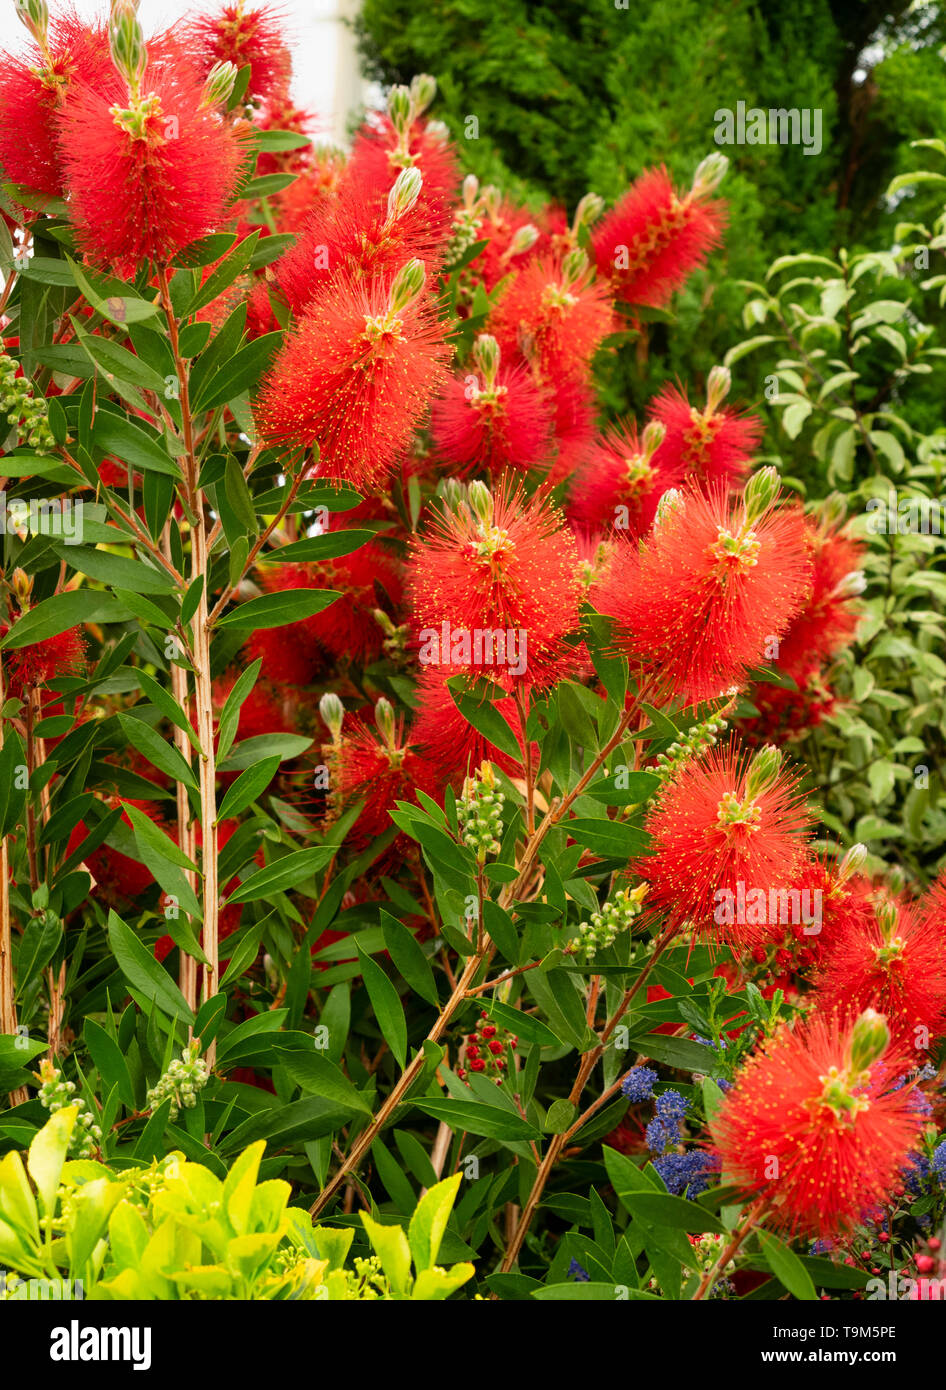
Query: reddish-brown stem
731	1249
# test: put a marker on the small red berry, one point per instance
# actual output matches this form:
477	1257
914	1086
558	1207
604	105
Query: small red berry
883	1237
495	1046
934	1242
925	1263
489	1031
478	1064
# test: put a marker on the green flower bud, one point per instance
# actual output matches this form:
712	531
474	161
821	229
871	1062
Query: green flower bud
718	386
423	90
486	355
671	502
589	209
407	285
852	862
399	110
869	1040
709	175
652	437
218	87
763	771
761	491
35	15
481	500
126	40
404	192
333	713
384	718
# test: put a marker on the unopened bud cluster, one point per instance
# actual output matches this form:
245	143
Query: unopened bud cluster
485	1050
693	744
606	926
55	1093
480	811
22	409
182	1081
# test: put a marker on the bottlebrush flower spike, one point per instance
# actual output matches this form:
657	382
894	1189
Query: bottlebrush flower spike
244	36
364	234
32	667
828	619
493	420
894	961
449	742
712	584
715	444
812	1126
33	87
933	905
377	767
145	174
403	140
728	836
356	377
495	586
619	484
573	404
556	315
654	238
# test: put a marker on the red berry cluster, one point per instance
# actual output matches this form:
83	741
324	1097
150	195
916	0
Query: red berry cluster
484	1051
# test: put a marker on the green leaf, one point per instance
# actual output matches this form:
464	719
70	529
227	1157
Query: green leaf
484	717
608	838
157	749
110	1061
521	1025
120	309
114	434
278	609
314	1072
285	873
317	548
59	613
225	273
787	1267
386	1005
488	1121
237	374
148	833
168	706
660	1209
675	1052
47	1154
429	1222
238	495
249	750
116	570
392	1249
230	714
143	972
247	787
409	958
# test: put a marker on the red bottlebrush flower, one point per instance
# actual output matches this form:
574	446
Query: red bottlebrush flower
574	428
495	586
493	421
709	588
933	905
377	767
32	89
144	182
30	667
619	484
366	580
449	743
728	841
556	316
364	234
654	238
290	654
280	112
894	961
510	242
714	445
355	378
813	1130
260	318
376	160
837	905
316	183
245	37
828	618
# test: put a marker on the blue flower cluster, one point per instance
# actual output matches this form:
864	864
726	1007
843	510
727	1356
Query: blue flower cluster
916	1175
665	1129
939	1161
639	1084
686	1175
576	1272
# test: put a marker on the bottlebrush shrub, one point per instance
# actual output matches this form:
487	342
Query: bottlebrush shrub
372	790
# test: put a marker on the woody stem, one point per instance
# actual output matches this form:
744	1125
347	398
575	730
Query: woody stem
731	1249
